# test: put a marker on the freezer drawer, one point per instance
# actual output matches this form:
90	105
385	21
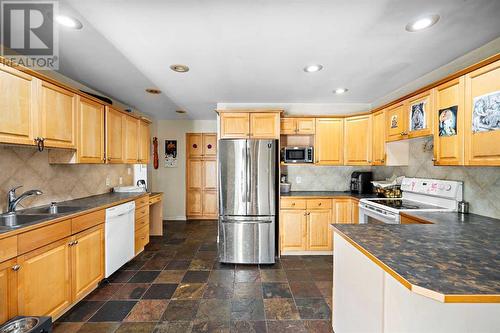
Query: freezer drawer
247	241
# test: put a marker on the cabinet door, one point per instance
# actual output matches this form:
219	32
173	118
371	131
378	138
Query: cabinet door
143	142
293	229
91	131
115	136
210	145
358	140
194	193
17	106
57	117
87	261
265	125
210	175
319	235
482	116
378	143
354	211
420	111
44	280
449	123
329	147
8	290
209	201
234	125
305	125
194	145
395	122
288	126
195	174
342	211
131	140
194	202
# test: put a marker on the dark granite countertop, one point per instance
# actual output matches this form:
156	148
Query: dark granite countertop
457	255
85	204
327	194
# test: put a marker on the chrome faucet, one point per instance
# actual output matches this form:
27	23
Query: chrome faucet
13	200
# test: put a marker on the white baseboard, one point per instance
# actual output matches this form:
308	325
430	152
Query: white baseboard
306	253
175	218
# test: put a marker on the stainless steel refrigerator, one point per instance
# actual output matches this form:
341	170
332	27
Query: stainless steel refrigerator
247	203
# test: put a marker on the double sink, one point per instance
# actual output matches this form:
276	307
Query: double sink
32	215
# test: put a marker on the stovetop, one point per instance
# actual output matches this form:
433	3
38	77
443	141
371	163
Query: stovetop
403	204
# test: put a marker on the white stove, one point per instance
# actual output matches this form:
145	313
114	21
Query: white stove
418	194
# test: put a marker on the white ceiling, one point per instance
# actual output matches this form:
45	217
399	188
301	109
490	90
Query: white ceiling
253	51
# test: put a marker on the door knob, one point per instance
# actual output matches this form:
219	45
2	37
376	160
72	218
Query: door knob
16	267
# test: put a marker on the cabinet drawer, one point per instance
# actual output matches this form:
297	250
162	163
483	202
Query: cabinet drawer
142	201
293	203
319	204
141	222
87	221
8	248
39	237
141	212
154	200
141	238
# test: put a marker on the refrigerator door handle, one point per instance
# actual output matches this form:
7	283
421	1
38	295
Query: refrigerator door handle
248	176
244	185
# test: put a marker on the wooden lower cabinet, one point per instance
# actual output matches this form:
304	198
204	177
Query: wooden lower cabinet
8	290
293	229
87	267
44	280
342	211
319	236
355	211
141	239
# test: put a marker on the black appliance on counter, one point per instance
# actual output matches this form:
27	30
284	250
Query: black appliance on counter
361	182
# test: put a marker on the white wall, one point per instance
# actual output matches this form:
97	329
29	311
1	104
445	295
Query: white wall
172	181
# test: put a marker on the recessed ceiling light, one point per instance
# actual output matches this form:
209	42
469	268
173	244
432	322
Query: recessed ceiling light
69	22
340	91
422	23
179	68
153	91
313	68
180	111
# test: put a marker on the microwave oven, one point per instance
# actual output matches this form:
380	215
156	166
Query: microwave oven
297	155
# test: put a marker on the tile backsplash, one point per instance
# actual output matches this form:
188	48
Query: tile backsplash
30	168
481	184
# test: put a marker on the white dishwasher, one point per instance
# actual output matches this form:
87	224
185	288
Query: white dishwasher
119	236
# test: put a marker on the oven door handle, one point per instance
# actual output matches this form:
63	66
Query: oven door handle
380	212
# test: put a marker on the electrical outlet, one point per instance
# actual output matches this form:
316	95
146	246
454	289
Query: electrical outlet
108	181
298	179
120	180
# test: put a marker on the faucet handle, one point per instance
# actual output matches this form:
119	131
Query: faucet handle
13	190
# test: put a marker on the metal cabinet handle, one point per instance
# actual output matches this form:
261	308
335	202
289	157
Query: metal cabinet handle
434	159
293	203
319	204
16	267
76	242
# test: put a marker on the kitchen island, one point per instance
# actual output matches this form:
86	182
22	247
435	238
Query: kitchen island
442	276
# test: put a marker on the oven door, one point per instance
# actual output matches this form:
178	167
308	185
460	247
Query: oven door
373	215
295	155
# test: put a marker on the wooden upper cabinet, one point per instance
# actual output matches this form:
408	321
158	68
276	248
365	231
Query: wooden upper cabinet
44	280
90	131
115	136
378	138
395	116
195	145
209	145
17	106
87	257
144	142
358	140
329	146
131	140
449	123
297	126
234	125
420	112
265	125
57	116
482	116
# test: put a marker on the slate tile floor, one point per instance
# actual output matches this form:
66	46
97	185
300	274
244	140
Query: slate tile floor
176	285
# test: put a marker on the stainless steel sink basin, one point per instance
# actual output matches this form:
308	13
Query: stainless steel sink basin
13	220
53	209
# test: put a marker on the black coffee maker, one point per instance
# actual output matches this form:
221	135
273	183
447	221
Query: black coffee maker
361	182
